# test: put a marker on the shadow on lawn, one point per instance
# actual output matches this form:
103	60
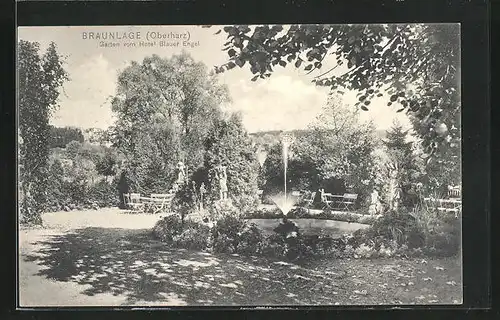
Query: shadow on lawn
130	263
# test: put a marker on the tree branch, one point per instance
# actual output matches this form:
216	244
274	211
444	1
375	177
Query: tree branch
368	59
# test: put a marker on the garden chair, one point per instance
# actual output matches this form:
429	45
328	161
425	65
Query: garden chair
161	201
308	202
326	200
260	194
348	201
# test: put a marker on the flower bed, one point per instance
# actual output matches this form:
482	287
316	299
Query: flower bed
393	235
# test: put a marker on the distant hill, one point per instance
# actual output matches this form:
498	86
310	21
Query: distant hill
269	138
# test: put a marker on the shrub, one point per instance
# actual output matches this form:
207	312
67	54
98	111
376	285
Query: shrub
365	251
298	213
251	240
167	228
232	234
103	194
226	234
322	245
182	234
194	236
288	235
185	200
274	246
442	231
220	209
263	214
367	219
287	229
444	239
402	228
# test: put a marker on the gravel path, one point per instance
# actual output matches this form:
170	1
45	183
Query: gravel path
106	258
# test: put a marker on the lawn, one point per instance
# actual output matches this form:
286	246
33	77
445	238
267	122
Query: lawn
107	258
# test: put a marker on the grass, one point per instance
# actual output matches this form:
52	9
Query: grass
99	264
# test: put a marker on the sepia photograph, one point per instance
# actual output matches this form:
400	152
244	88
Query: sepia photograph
239	165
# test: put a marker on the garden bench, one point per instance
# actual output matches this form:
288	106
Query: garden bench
133	202
445	205
454	192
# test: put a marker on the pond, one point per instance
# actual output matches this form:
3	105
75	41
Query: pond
332	228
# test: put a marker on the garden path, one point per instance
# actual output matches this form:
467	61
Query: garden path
104	258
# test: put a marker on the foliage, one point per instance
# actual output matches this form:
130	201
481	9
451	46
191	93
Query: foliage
182	234
404	163
288	240
220	209
103	194
168	227
395	235
56	190
263	214
40	79
165	109
229	145
186	199
442	231
106	165
77	185
194	236
399	227
97	136
336	155
60	137
443	170
234	235
414	66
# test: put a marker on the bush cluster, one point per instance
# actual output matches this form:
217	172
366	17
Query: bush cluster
410	235
234	235
182	233
77	194
391	235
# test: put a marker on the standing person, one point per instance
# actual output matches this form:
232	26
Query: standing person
123	188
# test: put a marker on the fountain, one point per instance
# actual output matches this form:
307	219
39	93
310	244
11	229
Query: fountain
283	203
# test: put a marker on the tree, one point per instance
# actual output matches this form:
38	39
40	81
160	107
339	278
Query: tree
60	137
106	164
415	66
166	108
40	79
229	145
343	146
403	160
335	154
73	148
